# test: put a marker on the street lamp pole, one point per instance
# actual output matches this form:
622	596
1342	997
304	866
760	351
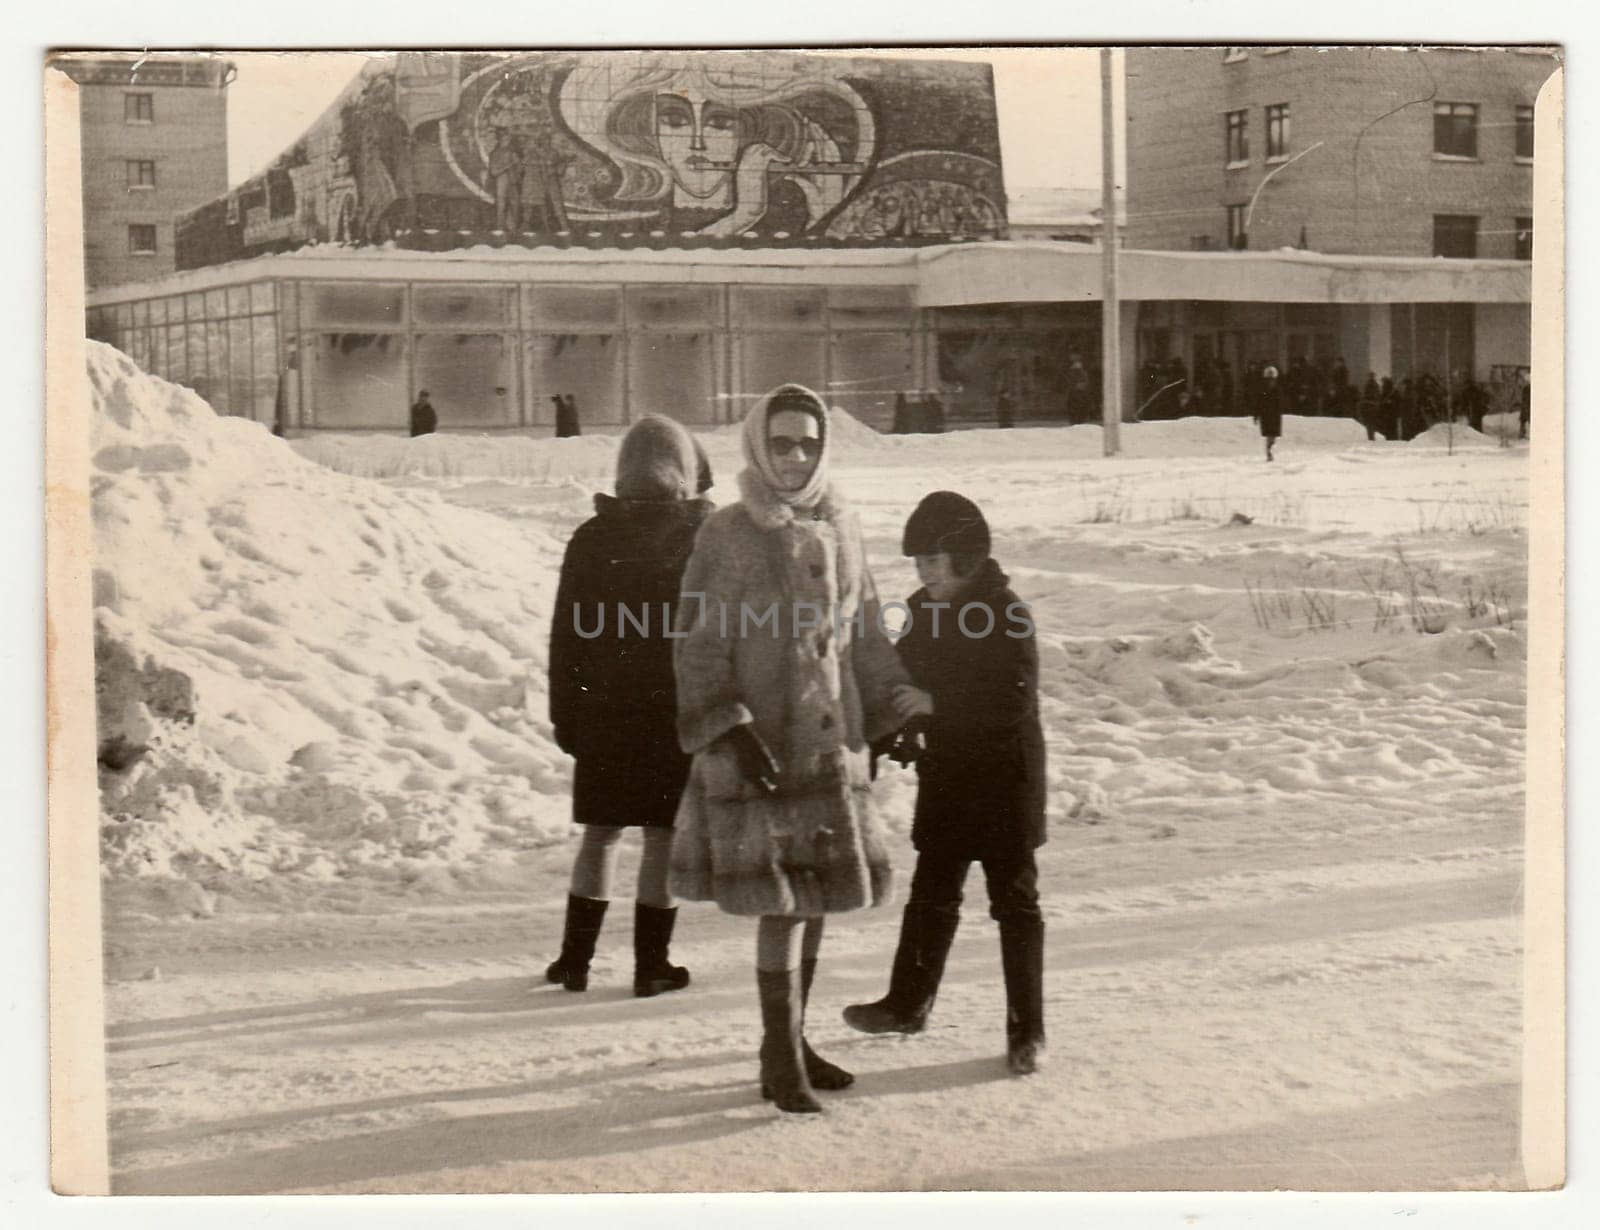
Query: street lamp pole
1110	319
1265	179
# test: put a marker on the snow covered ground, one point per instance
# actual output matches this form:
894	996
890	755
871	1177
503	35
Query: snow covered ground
1285	712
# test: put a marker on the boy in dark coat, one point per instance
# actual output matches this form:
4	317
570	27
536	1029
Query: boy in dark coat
974	665
613	698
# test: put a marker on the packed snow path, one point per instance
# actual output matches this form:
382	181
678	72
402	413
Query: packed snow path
1282	884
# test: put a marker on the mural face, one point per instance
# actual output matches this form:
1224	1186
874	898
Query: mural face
658	148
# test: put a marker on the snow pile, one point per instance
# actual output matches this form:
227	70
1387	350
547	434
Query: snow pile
364	665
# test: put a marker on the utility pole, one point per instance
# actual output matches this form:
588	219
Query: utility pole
1110	318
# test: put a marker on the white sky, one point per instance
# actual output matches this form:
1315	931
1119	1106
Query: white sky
1048	102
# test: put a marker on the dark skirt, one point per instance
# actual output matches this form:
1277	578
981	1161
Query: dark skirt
641	788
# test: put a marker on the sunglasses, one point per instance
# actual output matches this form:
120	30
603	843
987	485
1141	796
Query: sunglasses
781	446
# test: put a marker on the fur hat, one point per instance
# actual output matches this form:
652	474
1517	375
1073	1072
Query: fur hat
946	522
657	461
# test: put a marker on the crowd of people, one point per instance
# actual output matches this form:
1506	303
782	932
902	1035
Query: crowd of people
1393	409
725	681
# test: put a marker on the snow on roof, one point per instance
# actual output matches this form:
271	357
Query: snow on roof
991	271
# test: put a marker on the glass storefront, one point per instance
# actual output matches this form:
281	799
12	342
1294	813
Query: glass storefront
352	356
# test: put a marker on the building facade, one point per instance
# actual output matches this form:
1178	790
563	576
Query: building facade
1359	150
375	260
1364	151
155	145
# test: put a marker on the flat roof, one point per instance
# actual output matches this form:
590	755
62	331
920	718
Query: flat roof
947	275
1019	271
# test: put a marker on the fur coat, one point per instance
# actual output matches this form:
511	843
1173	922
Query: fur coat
816	684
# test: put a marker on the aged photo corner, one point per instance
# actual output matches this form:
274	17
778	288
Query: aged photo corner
875	620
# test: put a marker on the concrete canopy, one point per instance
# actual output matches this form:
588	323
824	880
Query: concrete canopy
957	276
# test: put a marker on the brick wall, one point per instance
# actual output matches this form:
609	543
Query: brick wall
1374	184
188	142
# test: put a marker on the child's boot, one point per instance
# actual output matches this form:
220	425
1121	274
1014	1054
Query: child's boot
925	938
1022	960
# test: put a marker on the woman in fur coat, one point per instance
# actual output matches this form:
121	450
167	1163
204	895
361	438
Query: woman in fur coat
612	699
784	675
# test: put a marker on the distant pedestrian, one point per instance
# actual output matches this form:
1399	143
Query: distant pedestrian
566	416
1371	403
902	415
1525	416
1004	409
424	418
1269	408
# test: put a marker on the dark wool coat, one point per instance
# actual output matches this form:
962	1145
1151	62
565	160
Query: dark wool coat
613	701
981	790
1269	408
815	695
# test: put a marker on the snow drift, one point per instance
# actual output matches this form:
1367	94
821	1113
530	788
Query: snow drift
366	664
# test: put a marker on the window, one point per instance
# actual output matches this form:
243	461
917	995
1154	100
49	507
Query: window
1525	134
1524	239
1232	55
141	173
142	239
1237	239
1455	235
1455	130
1277	131
1238	138
139	108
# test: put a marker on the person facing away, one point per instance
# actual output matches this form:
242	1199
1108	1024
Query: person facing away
974	667
613	698
784	674
424	418
1269	407
567	424
1371	400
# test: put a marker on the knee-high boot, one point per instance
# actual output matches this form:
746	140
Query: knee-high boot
585	916
783	1070
1022	960
823	1075
925	938
652	937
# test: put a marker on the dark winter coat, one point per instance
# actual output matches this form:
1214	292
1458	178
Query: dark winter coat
613	700
424	418
1269	409
982	773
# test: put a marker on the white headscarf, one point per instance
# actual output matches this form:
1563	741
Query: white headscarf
759	458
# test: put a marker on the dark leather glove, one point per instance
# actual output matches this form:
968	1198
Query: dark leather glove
908	746
756	760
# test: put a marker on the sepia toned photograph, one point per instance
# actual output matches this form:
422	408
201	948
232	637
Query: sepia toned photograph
893	619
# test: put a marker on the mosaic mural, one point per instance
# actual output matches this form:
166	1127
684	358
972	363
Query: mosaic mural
433	149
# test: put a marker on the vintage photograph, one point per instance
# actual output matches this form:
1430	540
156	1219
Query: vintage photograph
873	620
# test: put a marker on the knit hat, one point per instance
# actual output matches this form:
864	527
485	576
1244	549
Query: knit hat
786	397
657	461
946	522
